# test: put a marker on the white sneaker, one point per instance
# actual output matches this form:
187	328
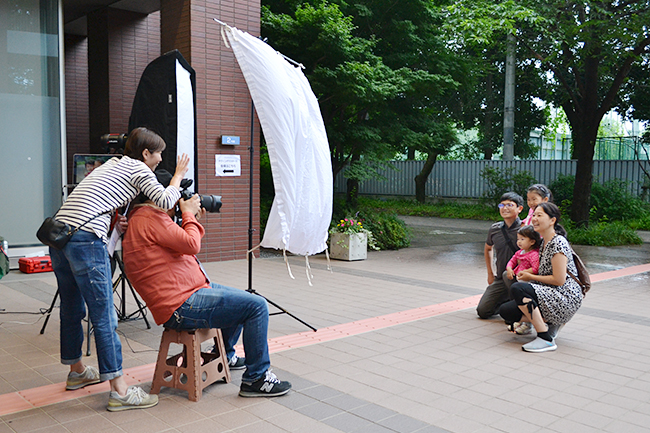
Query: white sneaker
539	345
135	398
523	328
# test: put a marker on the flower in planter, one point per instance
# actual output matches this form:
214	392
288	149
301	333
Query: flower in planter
351	226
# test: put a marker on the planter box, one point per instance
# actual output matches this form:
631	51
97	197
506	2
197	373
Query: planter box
348	247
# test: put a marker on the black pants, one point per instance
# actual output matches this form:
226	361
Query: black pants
510	310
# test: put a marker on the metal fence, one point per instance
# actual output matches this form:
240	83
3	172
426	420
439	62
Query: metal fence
462	179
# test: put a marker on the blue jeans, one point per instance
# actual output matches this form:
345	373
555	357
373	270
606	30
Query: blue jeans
226	308
83	274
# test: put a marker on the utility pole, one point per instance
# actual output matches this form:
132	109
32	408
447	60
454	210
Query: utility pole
509	101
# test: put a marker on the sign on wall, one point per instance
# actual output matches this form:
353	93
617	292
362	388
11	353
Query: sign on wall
227	165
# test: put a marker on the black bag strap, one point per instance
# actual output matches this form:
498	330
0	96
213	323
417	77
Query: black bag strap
507	238
76	229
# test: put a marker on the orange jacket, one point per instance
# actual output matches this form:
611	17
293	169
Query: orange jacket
159	259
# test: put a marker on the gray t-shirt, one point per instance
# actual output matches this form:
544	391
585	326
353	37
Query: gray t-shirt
502	251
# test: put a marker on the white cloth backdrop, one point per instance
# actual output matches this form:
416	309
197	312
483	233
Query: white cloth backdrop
297	144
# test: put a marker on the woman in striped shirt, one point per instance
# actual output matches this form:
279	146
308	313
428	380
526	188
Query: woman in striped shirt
83	269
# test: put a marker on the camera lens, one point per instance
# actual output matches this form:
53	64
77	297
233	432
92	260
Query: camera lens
211	203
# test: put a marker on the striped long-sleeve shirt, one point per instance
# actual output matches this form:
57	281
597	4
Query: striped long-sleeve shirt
111	186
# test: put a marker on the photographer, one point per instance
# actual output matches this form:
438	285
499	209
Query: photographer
160	261
83	269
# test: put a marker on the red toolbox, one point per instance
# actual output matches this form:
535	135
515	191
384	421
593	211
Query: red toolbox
31	265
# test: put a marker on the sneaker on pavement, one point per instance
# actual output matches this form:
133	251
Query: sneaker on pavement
554	329
237	363
267	386
539	345
523	328
90	376
135	398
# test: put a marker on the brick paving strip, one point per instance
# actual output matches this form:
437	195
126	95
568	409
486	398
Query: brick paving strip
45	395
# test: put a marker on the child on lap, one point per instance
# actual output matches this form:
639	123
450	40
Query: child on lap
526	259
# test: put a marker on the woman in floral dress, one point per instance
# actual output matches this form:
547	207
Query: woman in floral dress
551	298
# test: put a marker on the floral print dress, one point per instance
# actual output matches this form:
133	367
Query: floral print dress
557	304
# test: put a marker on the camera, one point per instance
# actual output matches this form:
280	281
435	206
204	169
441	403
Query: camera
211	203
113	143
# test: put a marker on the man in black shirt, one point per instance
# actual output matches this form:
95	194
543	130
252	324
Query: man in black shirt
502	241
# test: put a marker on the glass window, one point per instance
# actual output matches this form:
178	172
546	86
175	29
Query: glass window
30	124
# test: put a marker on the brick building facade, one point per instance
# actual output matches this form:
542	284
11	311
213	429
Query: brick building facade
102	73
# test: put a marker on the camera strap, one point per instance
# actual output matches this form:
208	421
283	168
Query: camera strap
507	238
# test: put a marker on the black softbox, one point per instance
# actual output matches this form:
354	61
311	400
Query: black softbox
165	102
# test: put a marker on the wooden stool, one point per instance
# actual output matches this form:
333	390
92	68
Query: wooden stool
191	370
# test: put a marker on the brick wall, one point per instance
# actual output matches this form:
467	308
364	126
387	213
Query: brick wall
223	108
76	98
134	41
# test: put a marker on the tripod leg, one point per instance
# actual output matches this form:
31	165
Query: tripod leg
282	310
140	306
49	311
125	280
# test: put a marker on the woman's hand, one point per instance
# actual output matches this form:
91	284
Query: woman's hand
557	278
182	166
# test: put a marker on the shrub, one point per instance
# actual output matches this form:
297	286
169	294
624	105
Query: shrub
603	234
479	211
500	181
610	201
389	231
562	189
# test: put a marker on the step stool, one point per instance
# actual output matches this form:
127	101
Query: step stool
191	370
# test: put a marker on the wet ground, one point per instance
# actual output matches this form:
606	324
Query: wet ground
453	239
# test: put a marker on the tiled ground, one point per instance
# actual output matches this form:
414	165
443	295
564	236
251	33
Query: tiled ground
445	372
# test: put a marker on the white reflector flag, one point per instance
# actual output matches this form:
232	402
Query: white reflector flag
297	144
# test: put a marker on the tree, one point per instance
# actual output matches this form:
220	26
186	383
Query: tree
409	36
482	107
348	79
587	48
378	69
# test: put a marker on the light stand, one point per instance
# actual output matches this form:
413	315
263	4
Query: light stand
251	231
123	281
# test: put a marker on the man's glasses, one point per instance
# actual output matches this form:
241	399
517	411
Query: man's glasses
502	205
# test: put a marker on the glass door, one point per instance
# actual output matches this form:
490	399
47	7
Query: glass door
31	175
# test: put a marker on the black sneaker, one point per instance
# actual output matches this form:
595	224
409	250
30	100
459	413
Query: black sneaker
237	363
267	386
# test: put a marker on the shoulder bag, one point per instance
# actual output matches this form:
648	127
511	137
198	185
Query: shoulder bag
583	279
56	234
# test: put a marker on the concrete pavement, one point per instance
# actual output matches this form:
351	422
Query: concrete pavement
408	355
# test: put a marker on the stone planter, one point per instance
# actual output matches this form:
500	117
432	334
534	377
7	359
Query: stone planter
348	247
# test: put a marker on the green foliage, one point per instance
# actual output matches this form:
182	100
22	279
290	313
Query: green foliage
349	225
441	210
500	181
267	190
562	189
383	80
642	223
389	231
603	234
594	54
610	201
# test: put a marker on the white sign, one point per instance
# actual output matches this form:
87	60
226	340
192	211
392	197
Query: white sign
227	165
